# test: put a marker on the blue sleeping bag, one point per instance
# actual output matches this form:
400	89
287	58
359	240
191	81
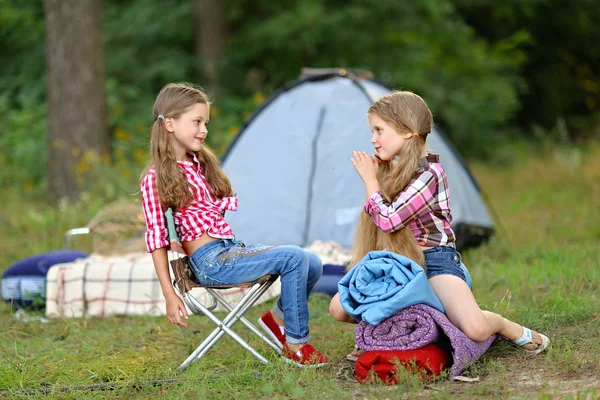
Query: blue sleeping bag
24	282
328	283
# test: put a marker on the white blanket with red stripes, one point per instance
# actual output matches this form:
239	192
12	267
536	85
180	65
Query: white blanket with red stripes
101	286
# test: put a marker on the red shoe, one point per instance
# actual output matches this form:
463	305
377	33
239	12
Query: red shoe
306	356
267	322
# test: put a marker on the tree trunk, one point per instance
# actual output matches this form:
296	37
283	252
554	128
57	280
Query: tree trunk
78	138
210	35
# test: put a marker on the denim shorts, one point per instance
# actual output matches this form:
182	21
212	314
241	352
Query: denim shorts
445	260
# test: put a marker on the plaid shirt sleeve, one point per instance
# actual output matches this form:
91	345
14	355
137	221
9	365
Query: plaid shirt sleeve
227	203
157	234
406	207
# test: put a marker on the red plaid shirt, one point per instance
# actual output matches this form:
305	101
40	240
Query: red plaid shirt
204	214
424	205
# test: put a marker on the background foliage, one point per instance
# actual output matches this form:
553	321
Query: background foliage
562	67
487	69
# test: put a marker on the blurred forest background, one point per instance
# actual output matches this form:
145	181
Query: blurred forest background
493	73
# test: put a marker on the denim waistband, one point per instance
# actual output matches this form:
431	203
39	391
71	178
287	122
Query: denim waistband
205	249
440	249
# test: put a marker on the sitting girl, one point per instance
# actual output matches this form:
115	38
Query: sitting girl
408	207
185	175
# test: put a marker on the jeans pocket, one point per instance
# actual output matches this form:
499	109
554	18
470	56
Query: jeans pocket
203	261
211	257
207	269
197	270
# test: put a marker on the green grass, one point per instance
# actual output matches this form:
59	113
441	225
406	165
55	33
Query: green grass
541	270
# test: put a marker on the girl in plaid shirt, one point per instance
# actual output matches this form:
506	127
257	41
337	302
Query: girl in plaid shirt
185	175
408	212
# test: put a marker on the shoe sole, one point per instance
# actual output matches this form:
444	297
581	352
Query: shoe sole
271	334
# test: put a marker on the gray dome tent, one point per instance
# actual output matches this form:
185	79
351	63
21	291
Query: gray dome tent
290	165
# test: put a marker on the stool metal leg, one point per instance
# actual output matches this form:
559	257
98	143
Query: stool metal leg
276	346
225	325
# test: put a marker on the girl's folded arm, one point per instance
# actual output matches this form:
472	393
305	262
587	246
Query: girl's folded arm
406	207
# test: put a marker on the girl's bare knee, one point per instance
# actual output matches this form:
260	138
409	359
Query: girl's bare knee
338	316
477	330
336	310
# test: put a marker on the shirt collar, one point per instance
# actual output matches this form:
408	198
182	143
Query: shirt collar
191	163
430	158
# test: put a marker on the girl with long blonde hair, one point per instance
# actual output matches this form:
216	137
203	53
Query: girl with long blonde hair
185	175
408	212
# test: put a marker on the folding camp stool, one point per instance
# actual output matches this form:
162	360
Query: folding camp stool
184	282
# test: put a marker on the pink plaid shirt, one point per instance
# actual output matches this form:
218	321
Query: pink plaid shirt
204	214
424	204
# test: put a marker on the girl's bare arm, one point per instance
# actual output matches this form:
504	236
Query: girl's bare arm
175	306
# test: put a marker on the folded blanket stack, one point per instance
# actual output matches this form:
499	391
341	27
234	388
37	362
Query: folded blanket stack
399	311
417	326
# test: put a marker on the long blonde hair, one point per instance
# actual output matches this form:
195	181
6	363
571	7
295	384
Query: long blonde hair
405	112
174	191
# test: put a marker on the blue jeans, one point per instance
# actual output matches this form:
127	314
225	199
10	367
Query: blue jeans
445	260
231	262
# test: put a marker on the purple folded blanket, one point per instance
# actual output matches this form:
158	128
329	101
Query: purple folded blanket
417	326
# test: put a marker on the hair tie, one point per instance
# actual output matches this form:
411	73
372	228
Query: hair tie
160	116
416	134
